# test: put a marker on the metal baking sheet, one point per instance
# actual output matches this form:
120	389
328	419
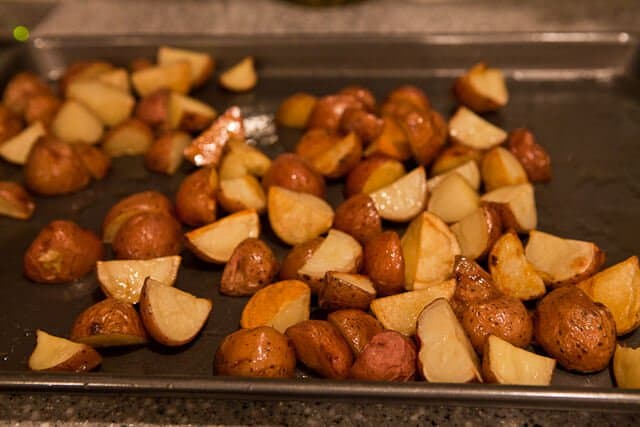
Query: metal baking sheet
579	92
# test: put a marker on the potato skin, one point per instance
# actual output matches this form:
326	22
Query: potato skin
22	87
389	356
337	294
426	132
473	284
320	347
328	111
571	328
62	252
532	156
384	263
144	201
257	352
195	199
359	175
362	94
94	159
42	108
411	95
290	171
148	235
297	257
54	168
252	266
356	326
108	317
153	109
10	124
366	125
16	195
358	217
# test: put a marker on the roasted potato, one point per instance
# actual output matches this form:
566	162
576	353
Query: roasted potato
579	333
15	202
58	354
453	199
469	129
501	168
297	257
202	63
356	326
384	263
238	194
22	87
83	70
130	138
408	94
532	156
362	94
257	352
320	347
404	198
10	124
328	110
138	64
392	142
62	252
366	125
426	133
165	153
74	123
252	266
148	235
195	199
241	77
453	156
504	363
372	174
358	217
482	88
153	109
207	148
42	108
626	367
280	305
294	173
389	356
345	290
94	159
295	110
473	284
329	154
109	323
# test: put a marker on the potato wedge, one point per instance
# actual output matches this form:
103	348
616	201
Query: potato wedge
482	88
171	316
501	168
469	171
445	353
279	305
346	290
123	279
297	217
372	174
21	88
294	173
196	203
241	77
626	367
454	156
400	312
295	110
164	155
426	132
392	142
16	149
410	94
189	114
242	193
117	78
252	266
356	326
76	123
517	206
358	217
84	70
202	64
58	354
243	159
111	105
15	202
297	257
175	76
403	199
367	125
562	261
109	323
504	363
384	263
429	249
512	273
453	199
328	111
477	232
41	108
153	109
467	128
145	201
207	148
94	159
215	242
331	156
473	285
130	138
533	157
148	235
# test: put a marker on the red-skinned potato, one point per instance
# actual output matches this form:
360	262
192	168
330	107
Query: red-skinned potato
290	171
195	199
389	356
148	235
165	154
358	217
252	266
297	257
411	95
392	142
362	94
345	290
532	156
15	202
42	108
21	88
372	174
153	109
356	326
328	110
482	88
329	154
139	64
62	252
366	125
145	201
384	263
10	124
426	133
94	159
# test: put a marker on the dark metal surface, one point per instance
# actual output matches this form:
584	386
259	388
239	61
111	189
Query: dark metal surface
580	93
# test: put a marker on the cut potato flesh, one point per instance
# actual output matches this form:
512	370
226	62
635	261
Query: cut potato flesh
626	367
297	217
59	354
562	261
446	354
429	250
453	199
504	363
242	159
130	138
118	78
517	206
476	233
469	171
403	199
467	128
400	312
279	305
512	273
111	105
385	174
501	168
482	88
329	161
202	64
75	123
16	150
618	288
189	113
241	77
175	76
242	193
123	279
338	252
215	242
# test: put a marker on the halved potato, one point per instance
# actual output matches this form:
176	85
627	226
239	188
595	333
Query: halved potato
346	290
215	242
445	354
189	114
15	202
58	354
468	170
165	153
130	138
76	123
242	193
512	273
562	261
372	174
477	232
175	76
400	312
297	217
467	128
403	199
626	367
501	168
109	323
295	110
618	288
172	317
517	206
241	77
123	279
145	201
504	363
16	149
280	305
429	250
242	159
482	88
453	199
111	105
202	64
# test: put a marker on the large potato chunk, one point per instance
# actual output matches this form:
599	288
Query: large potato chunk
384	263
504	363
75	123
328	154
533	157
17	148
467	128
372	174
626	367
356	326
21	88
195	199
358	217
148	235
94	159
429	250
279	305
257	352
501	168
468	170
389	356
164	155
237	194
297	257
15	202
482	88
477	232
109	323
346	290
252	266
517	206
58	354
130	138
618	288
295	110
403	199
202	64
453	199
111	105
63	251
175	76
145	201
293	173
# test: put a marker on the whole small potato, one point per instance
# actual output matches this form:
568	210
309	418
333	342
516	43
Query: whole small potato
328	111
95	160
389	356
366	125
356	326
10	124
62	252
294	173
297	257
148	235
195	199
153	109
579	333
257	352
384	263
411	95
362	94
42	108
252	266
21	88
109	323
532	156
54	168
321	347
358	217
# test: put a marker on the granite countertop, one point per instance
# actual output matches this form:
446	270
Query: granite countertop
271	16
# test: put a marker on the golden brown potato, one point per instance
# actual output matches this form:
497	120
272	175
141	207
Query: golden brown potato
358	217
22	87
82	70
364	95
195	199
252	266
94	159
328	111
109	323
42	108
356	326
15	202
207	148
129	138
571	328
294	111
241	77
453	156
371	174
145	201
473	284
238	194
320	347
62	252
148	235
389	356
257	352
153	109
409	94
329	154
482	88
280	305
290	171
54	168
10	124
384	263
534	158
478	231
165	154
58	354
366	125
297	257
139	64
426	133
345	290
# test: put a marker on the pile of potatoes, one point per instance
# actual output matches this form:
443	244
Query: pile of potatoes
470	291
